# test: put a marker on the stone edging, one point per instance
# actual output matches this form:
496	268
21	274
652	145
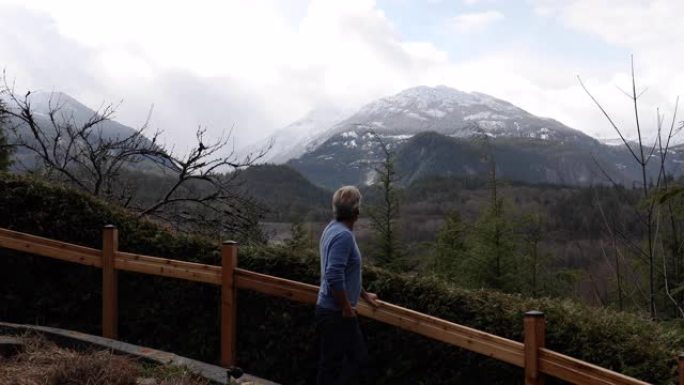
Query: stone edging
75	339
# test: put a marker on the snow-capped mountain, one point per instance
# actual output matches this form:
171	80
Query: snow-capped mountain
529	148
440	109
458	114
449	112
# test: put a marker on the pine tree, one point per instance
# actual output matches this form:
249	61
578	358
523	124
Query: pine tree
451	249
299	239
494	253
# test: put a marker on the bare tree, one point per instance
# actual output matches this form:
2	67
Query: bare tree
383	216
129	168
642	155
531	229
5	148
76	152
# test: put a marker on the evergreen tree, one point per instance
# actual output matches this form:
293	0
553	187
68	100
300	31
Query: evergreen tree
493	257
451	249
299	239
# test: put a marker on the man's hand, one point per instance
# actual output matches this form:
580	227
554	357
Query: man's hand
371	298
341	297
348	312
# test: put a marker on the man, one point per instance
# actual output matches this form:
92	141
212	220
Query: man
342	346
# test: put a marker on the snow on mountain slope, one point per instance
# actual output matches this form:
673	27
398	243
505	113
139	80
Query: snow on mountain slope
440	109
458	114
290	142
449	112
530	148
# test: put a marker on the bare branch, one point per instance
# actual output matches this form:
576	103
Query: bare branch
81	152
610	120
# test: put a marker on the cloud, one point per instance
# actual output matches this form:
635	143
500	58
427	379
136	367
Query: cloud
258	66
214	63
632	23
650	30
39	57
475	21
33	51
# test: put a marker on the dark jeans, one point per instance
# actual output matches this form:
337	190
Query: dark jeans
342	348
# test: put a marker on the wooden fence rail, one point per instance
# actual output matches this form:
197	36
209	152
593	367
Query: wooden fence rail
531	355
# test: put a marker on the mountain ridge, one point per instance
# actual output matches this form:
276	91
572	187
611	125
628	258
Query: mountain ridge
543	150
67	111
447	111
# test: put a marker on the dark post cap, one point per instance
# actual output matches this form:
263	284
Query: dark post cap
230	243
534	313
110	227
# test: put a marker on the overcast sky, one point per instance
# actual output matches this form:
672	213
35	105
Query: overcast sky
258	65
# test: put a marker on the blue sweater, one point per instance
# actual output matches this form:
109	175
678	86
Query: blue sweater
340	266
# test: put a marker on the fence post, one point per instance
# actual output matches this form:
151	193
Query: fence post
535	330
681	368
110	297
229	257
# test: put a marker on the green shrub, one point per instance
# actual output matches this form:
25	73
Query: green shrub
276	338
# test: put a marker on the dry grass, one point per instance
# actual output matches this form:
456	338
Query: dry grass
44	363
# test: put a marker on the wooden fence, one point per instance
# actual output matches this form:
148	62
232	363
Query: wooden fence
531	355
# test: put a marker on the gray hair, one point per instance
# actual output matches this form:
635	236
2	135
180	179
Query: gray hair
346	202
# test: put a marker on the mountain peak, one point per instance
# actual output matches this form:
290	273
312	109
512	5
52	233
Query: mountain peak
44	101
291	141
439	90
444	110
438	102
43	98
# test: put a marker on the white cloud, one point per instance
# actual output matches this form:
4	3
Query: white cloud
627	23
475	21
344	52
260	65
651	31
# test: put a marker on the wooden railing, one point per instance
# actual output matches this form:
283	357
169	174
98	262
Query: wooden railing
531	355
